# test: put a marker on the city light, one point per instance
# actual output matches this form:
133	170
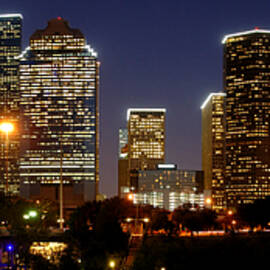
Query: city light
10	247
111	263
30	214
208	201
146	220
6	127
131	197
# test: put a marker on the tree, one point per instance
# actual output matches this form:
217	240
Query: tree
161	221
255	214
96	233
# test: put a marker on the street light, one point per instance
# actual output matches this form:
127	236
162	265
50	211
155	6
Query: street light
131	197
208	202
30	214
6	127
112	264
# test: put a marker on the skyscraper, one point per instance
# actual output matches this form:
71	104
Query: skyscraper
146	141
146	138
59	79
10	48
145	149
213	148
123	186
247	85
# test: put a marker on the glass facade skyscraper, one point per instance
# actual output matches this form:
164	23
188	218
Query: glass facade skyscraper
59	79
213	148
10	48
146	138
247	85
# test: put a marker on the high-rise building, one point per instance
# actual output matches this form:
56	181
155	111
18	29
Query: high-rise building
123	186
213	148
146	138
247	85
59	79
10	48
167	187
146	146
146	141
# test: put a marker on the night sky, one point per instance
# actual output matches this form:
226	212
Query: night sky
153	53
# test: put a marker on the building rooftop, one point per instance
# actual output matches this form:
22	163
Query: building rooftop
57	26
129	111
11	15
209	98
253	31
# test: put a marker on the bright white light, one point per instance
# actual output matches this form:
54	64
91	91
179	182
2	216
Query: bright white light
144	110
32	213
166	166
12	15
209	98
23	53
244	33
91	50
6	127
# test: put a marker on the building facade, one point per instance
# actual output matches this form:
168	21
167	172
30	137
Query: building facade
123	186
213	148
146	138
59	80
167	187
10	49
247	85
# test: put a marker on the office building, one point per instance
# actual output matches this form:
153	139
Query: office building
213	148
145	148
167	187
146	138
10	48
123	186
59	79
247	85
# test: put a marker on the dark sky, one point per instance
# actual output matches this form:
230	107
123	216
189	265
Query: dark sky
153	53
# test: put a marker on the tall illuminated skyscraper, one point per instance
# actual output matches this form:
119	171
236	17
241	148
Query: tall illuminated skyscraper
213	148
247	85
146	145
146	138
59	79
10	48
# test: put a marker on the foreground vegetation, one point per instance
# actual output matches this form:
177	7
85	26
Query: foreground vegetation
95	234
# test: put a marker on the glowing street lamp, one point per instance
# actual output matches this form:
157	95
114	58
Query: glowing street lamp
6	127
208	202
112	264
30	214
130	197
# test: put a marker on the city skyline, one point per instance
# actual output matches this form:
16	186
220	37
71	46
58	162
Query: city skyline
177	60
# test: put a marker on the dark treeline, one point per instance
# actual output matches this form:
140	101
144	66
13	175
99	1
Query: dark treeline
95	234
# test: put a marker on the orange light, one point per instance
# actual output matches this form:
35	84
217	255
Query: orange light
230	212
130	197
234	222
208	201
6	127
